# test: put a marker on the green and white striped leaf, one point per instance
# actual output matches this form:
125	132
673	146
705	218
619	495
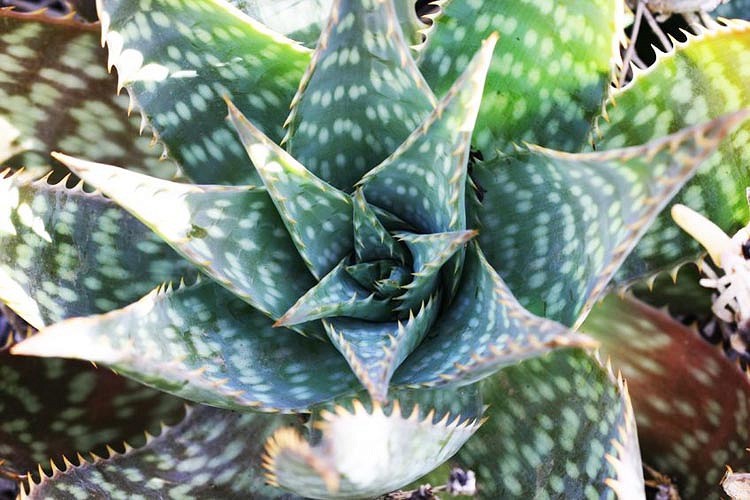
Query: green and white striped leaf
55	93
361	96
423	182
364	453
317	215
690	401
557	226
549	73
679	91
51	408
482	330
177	72
212	453
65	252
201	343
233	234
559	426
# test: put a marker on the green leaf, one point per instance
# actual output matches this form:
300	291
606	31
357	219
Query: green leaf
423	182
317	215
364	453
372	241
225	231
557	226
65	252
735	9
300	20
690	401
55	93
177	59
212	453
51	408
679	91
201	343
361	96
482	330
559	426
548	76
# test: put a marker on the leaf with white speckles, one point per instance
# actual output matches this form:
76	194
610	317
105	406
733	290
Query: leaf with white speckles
556	226
55	93
361	96
365	453
50	408
220	229
549	73
178	70
423	181
483	329
65	252
211	453
201	343
682	89
691	403
560	426
317	215
372	241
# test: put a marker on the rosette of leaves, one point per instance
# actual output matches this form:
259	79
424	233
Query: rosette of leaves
340	253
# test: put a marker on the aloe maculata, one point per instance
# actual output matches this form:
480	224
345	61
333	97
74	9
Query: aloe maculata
330	276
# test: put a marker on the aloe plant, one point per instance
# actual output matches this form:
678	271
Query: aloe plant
330	276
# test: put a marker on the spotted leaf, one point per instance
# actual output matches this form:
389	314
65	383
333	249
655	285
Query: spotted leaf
557	226
211	453
682	90
218	228
177	71
317	215
50	408
690	401
483	329
56	94
364	453
65	252
201	343
548	76
372	241
360	97
559	426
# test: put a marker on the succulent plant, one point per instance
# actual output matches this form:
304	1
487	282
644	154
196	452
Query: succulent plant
368	250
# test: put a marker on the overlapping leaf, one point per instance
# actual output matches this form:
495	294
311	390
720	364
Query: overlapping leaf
202	343
55	93
69	253
548	76
557	226
690	401
682	89
177	71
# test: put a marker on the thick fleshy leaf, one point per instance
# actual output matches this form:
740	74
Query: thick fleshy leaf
364	453
201	343
55	93
337	294
549	73
177	72
482	330
372	241
212	453
690	401
361	96
233	234
317	215
65	252
682	90
557	226
375	350
50	408
429	252
560	426
424	181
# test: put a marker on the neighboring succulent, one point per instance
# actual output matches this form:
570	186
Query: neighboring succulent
353	242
